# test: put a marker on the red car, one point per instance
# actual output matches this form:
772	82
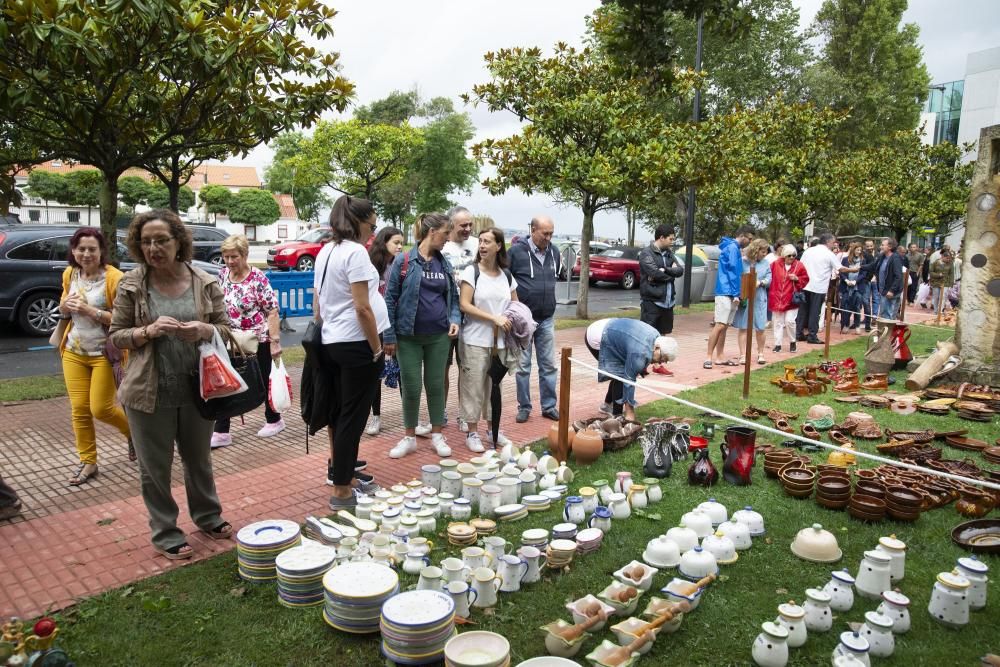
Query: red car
299	254
617	264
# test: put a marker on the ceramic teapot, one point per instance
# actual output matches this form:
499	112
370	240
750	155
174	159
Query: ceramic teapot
877	629
738	532
975	571
818	615
873	575
949	604
738	454
770	649
896	606
854	645
841	590
792	617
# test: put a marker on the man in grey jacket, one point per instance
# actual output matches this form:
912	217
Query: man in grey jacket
658	267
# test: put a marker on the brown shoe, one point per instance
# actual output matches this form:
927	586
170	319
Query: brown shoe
810	431
782	425
10	511
839	438
876	381
848	384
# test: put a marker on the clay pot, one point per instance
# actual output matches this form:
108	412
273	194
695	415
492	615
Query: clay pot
866	474
973	503
554	437
587	447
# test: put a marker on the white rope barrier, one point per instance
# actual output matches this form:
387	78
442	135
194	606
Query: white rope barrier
938	327
792	436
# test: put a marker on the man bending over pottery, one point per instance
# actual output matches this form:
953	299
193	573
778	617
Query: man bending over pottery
625	347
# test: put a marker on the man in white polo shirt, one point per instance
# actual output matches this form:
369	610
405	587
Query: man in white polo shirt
822	266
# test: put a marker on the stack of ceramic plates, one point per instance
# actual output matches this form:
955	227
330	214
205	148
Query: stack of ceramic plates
974	410
484	526
561	489
300	574
536	503
355	593
560	553
514	512
258	544
416	625
992	454
940	410
535	537
553	496
564	531
589	540
462	534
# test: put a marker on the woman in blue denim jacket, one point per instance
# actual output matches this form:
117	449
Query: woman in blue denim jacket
422	299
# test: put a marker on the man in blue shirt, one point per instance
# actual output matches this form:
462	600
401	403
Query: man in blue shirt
727	293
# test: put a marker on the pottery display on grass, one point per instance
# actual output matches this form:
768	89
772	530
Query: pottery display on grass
792	618
738	454
949	603
511	570
896	606
975	571
770	648
462	595
653	490
601	519
587	446
532	556
637	497
606	650
702	472
627	631
624	598
680	590
485	583
618	504
477	648
738	532
716	511
662	552
560	646
636	574
816	545
623	482
818	615
553	437
841	590
753	520
854	645
586	607
877	629
873	575
574	511
721	547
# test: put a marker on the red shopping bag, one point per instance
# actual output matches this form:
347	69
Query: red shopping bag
218	377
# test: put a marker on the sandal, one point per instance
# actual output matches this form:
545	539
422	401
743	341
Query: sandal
223	531
131	451
707	365
82	477
179	552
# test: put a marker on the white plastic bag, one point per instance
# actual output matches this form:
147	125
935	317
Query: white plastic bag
279	390
217	376
924	293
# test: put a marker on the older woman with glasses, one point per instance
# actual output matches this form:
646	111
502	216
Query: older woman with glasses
164	309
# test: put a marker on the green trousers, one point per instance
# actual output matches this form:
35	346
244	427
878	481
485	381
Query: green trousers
423	360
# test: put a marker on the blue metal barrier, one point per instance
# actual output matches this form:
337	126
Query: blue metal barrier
295	292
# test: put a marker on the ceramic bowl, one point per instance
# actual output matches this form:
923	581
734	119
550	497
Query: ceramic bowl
902	513
558	646
579	609
867	504
622	608
866	474
832	504
606	648
477	648
632	578
626	631
816	545
904	496
738	532
870	488
800	476
864	516
676	592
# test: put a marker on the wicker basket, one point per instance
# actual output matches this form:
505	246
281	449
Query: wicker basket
612	443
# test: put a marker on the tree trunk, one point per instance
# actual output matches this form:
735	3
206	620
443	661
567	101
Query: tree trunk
174	186
921	377
109	211
630	223
585	238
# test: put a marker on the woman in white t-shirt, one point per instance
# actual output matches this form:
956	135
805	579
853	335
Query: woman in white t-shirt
347	300
483	300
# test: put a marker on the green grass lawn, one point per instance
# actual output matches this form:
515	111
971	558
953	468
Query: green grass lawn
32	388
204	614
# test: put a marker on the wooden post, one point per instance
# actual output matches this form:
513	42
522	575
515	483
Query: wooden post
906	291
565	371
831	297
750	290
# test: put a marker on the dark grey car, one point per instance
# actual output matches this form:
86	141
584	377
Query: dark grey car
32	260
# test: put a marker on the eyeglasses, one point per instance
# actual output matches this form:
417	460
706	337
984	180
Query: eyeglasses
158	242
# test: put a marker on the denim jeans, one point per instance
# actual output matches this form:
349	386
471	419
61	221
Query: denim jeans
889	308
544	342
864	293
876	301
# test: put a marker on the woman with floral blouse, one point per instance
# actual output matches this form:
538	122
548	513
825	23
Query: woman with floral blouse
252	306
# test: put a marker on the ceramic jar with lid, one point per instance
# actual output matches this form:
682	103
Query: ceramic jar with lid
722	548
715	510
604	490
445	500
364	508
685	538
753	520
430	475
818	615
489	499
846	661
975	571
854	645
653	490
375	511
434	505
792	617
427	521
411	507
471	487
399	489
510	490
697	563
949	603
529	483
877	629
896	549
738	532
770	649
390	518
699	522
410	524
896	606
461	509
873	575
841	590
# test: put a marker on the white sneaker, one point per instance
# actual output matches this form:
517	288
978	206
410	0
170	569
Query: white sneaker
463	425
502	440
439	444
474	443
374	425
271	429
221	440
605	409
423	429
405	446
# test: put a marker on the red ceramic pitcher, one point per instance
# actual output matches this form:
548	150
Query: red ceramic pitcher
738	454
900	336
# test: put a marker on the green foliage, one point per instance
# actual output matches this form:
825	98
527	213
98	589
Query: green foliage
251	206
216	198
134	190
159	197
84	187
870	65
280	177
394	109
16	153
47	185
441	165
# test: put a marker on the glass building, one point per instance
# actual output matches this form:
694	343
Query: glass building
945	100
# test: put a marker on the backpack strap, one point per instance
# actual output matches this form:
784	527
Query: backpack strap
475	276
406	266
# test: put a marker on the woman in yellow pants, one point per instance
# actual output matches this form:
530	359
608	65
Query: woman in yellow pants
89	288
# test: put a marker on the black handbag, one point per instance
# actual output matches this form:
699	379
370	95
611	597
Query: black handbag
233	405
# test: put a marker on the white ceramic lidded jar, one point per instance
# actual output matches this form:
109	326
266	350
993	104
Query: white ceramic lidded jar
529	483
896	549
818	615
461	509
896	606
792	617
471	488
949	603
853	644
434	505
489	499
975	571
840	588
877	629
510	490
410	524
873	575
770	649
716	510
451	483
699	522
427	521
364	508
430	475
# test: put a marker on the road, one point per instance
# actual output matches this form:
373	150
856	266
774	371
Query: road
24	356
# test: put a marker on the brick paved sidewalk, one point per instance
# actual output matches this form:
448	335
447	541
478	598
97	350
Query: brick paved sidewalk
76	542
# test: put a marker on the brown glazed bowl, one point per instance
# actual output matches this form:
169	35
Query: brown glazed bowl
902	515
798	493
868	504
834	484
870	488
831	504
863	516
904	496
833	497
866	474
799	475
833	470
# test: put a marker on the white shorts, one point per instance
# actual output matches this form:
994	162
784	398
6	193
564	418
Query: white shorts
725	310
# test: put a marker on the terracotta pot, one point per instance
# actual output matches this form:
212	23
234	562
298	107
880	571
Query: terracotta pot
587	447
554	437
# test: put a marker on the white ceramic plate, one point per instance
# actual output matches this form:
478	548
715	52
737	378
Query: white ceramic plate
358	581
535	534
268	533
510	509
535	499
309	558
563	545
589	535
418	608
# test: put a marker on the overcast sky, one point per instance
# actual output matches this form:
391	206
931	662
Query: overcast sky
437	47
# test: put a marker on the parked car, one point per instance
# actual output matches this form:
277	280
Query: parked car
566	247
32	260
208	243
299	254
10	219
617	264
